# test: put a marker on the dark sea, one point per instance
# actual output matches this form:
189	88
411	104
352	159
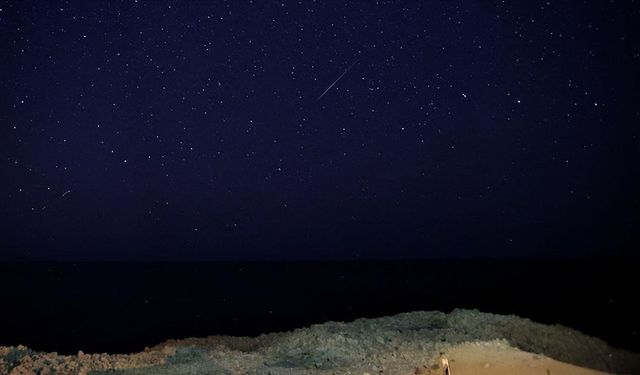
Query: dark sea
124	307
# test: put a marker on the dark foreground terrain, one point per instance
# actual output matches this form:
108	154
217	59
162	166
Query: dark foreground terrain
410	343
125	307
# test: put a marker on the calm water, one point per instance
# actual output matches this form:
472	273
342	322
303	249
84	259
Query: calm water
123	307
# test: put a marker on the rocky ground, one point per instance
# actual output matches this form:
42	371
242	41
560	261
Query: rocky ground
409	343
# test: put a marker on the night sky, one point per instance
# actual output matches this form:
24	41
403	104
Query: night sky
154	130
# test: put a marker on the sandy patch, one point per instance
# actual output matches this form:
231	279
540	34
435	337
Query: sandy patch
497	358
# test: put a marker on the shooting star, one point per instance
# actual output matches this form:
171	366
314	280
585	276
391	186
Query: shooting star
336	81
65	193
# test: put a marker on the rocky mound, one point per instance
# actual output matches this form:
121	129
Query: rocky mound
407	343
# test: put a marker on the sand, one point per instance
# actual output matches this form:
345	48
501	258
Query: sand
496	358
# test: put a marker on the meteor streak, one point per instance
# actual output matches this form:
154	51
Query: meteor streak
336	81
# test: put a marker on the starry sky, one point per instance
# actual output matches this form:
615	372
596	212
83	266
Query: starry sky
235	130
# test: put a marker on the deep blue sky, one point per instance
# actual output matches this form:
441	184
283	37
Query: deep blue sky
193	130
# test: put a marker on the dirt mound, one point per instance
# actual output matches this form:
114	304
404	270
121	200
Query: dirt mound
407	343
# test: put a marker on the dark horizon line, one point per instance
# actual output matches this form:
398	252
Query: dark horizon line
554	258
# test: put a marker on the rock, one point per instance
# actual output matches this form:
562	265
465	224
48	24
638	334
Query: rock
169	350
21	371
